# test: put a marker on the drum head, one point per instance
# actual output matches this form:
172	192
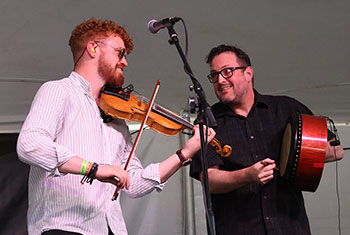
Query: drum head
285	148
290	148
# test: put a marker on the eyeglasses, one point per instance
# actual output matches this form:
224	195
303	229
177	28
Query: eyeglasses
120	50
225	73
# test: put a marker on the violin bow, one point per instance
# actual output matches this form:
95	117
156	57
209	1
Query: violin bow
116	192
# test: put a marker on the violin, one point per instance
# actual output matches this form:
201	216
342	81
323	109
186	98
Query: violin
120	103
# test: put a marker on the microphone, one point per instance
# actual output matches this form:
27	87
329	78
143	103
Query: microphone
155	25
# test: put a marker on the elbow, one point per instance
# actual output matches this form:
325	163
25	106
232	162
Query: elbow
134	192
31	152
23	150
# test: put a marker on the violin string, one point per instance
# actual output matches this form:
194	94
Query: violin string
147	127
174	117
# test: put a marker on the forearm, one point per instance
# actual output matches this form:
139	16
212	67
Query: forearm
105	173
168	167
144	180
72	166
221	181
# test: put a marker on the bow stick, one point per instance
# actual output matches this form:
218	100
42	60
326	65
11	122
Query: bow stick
116	192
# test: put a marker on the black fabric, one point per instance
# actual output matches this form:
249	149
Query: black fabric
59	232
274	208
13	188
110	231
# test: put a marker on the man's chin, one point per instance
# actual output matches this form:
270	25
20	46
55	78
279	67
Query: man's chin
226	99
115	82
119	80
119	83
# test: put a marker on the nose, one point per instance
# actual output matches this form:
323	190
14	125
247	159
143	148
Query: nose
124	62
220	78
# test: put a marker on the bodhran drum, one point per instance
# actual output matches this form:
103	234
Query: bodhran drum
303	151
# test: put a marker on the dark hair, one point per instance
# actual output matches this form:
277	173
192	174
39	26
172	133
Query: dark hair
93	29
241	55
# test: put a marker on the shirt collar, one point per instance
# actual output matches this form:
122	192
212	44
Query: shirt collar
259	101
81	82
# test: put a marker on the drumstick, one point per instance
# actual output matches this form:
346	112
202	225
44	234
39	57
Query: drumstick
266	164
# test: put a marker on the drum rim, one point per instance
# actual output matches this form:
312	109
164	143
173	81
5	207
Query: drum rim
294	153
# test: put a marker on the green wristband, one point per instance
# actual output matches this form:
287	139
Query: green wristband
83	167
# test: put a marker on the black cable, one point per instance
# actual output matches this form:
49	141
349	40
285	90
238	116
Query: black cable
186	49
334	143
337	193
186	37
75	63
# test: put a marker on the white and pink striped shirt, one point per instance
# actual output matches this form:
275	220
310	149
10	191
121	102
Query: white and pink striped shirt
65	121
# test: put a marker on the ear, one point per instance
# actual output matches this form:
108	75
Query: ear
249	73
91	48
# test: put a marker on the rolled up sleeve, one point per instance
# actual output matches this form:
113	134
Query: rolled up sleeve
36	143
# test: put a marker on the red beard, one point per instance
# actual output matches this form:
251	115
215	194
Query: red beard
111	75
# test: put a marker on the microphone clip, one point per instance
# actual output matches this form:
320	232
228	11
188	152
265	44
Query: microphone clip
154	26
334	132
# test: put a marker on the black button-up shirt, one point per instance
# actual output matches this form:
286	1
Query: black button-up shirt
273	208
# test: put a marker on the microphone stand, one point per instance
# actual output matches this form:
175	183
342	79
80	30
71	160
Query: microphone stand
205	116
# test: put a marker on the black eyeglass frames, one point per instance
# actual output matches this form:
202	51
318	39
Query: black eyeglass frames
225	73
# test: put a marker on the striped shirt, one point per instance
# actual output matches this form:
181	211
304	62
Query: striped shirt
65	121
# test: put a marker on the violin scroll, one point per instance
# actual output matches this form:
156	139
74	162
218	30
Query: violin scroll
222	151
226	151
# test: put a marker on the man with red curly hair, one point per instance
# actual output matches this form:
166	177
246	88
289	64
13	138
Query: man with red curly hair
64	136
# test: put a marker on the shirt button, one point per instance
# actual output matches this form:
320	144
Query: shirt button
252	137
267	218
265	197
256	156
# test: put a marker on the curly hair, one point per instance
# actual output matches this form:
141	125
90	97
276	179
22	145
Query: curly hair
94	29
241	55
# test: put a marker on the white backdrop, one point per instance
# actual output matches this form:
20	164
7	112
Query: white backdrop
297	48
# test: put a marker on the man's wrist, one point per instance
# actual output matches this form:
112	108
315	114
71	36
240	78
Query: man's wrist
184	160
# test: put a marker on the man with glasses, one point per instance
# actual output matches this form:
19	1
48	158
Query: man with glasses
247	197
64	139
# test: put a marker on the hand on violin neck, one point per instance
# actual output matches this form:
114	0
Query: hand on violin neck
193	145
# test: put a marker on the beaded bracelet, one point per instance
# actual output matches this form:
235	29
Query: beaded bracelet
89	168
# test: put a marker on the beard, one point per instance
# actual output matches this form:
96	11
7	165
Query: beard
236	96
112	76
